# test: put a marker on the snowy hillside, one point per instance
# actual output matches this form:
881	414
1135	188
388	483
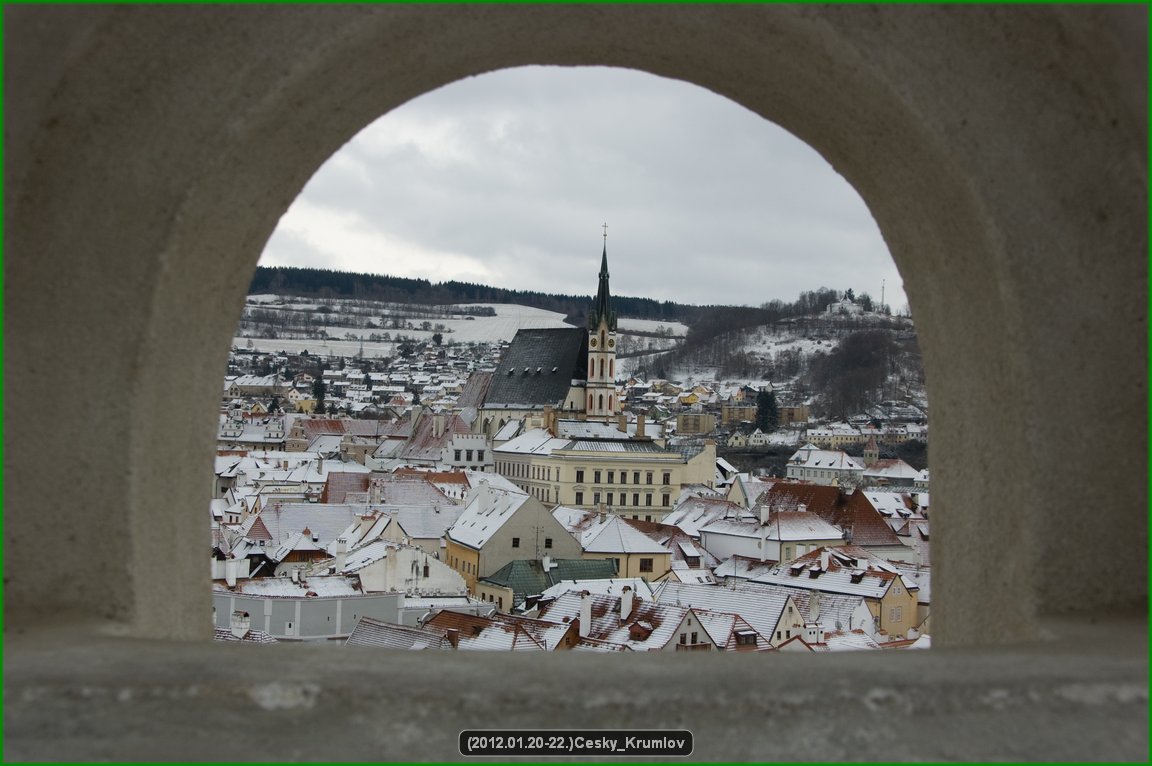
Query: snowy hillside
340	326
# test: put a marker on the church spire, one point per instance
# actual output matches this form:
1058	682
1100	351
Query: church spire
602	309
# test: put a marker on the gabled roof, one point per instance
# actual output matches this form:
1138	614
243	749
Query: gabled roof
487	509
783	526
743	567
724	629
611	586
338	484
649	626
424	444
484	634
322	586
251	637
695	512
851	571
866	526
538	367
475	389
810	457
761	609
891	468
682	547
615	535
852	641
370	632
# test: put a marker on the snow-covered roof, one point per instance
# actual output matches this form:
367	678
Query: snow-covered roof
691	514
762	610
784	526
610	587
323	586
487	509
613	535
811	457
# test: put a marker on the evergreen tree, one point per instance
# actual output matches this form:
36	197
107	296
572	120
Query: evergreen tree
318	392
767	414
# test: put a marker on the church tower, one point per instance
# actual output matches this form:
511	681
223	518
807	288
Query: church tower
601	401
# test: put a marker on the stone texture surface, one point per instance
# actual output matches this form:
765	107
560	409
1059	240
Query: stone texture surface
1082	696
150	151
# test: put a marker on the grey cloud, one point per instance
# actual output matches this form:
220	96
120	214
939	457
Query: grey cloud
705	201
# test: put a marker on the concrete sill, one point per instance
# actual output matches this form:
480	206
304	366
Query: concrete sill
69	695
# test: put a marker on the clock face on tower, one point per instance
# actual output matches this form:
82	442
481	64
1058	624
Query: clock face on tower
592	342
611	343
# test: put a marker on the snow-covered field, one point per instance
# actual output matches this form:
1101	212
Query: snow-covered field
316	347
675	329
478	329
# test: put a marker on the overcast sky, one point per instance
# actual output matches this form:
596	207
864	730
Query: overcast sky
506	178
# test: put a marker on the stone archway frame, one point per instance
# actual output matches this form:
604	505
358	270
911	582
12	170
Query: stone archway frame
1001	151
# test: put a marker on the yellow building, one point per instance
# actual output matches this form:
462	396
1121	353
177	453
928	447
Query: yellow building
635	554
790	414
499	526
695	423
852	571
584	468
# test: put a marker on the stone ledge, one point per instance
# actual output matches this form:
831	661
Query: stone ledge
1081	696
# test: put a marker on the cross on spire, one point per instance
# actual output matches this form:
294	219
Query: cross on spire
605	234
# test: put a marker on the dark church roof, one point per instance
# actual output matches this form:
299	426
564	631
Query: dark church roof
538	367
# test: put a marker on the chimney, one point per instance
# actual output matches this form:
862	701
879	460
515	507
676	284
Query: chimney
640	427
453	637
550	419
813	605
825	557
484	495
626	597
546	563
585	613
763	543
341	554
622	422
240	624
763	514
802	508
231	567
320	464
439	421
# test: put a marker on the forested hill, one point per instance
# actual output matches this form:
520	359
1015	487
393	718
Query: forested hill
323	283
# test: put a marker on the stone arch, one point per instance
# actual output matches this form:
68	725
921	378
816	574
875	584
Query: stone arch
153	178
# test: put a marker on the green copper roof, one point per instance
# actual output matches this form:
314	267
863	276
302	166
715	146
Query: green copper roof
527	577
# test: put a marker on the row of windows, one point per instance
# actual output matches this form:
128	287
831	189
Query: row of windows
546	473
597	476
610	499
516	542
479	455
593	408
592	367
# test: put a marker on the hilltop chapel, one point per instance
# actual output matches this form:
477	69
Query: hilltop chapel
564	372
